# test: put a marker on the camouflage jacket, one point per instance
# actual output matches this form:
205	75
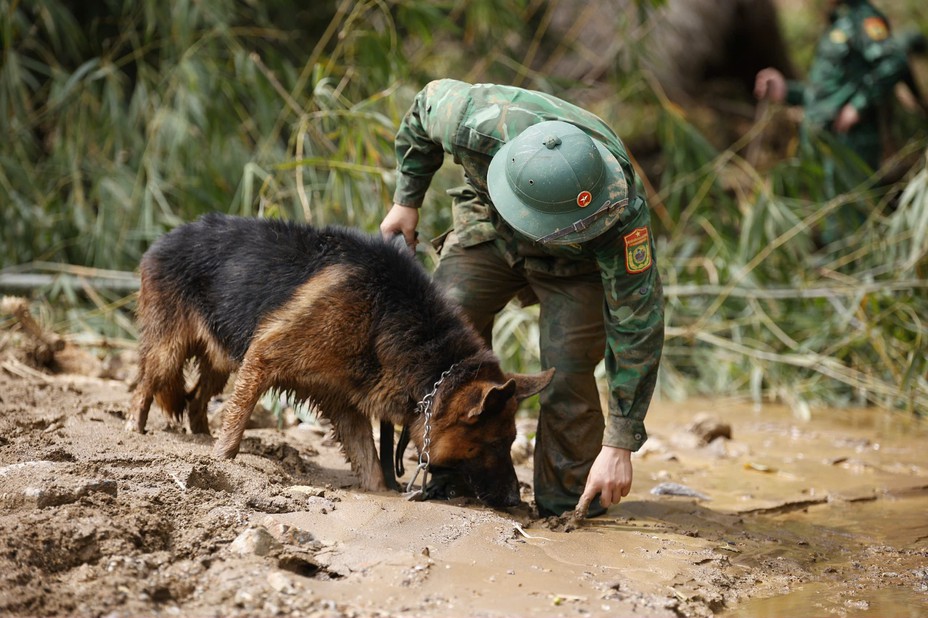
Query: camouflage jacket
857	61
471	123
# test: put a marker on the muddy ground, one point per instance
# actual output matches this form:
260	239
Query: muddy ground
819	517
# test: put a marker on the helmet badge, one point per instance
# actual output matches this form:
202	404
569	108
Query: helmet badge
584	198
551	142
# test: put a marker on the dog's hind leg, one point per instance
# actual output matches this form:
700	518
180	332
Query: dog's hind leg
161	378
164	343
356	435
141	403
172	397
209	384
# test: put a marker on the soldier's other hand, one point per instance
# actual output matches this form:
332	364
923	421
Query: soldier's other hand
770	84
847	118
401	220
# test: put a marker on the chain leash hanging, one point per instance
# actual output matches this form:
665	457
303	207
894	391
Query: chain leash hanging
424	407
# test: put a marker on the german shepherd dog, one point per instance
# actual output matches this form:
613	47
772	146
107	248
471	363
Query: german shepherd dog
347	321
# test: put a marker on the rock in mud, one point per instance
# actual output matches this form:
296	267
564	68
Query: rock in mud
42	497
708	428
676	489
254	542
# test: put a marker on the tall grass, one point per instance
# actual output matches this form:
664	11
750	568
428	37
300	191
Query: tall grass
759	304
123	119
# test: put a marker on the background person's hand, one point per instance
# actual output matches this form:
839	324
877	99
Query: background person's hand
847	118
771	85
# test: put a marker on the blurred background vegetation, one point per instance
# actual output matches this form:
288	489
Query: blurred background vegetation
122	119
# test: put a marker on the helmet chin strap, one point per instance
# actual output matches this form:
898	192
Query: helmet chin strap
584	223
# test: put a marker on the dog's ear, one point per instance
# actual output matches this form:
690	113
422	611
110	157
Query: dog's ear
493	400
529	384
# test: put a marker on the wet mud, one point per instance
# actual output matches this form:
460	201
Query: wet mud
754	513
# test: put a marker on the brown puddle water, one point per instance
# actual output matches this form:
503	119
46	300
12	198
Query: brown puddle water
818	517
864	559
840	500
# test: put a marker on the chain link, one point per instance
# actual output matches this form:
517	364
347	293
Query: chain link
424	407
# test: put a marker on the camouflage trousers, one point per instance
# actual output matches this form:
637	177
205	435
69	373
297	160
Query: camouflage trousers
482	281
846	160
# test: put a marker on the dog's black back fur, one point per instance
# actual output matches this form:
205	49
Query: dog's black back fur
235	271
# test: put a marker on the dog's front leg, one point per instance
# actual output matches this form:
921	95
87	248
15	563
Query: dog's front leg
249	385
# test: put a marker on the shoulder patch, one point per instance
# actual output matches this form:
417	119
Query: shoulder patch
876	28
637	251
838	36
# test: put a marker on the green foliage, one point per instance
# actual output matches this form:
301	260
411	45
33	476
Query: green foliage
128	117
125	118
759	303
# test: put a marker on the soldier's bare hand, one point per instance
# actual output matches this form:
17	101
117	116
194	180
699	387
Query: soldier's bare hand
401	220
610	477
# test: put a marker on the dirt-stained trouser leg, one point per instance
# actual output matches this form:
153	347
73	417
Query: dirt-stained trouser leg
570	423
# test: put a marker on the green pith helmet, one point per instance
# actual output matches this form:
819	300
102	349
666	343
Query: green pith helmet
556	185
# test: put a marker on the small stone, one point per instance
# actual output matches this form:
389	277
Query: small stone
243	598
280	582
708	428
307	490
287	534
254	541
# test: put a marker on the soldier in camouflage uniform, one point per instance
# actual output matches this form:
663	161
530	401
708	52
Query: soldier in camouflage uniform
857	63
550	211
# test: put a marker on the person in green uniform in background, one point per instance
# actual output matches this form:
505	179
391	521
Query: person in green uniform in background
550	212
856	65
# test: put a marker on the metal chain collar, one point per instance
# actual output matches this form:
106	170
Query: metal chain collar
424	407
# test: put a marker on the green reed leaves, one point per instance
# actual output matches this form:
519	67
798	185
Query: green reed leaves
122	119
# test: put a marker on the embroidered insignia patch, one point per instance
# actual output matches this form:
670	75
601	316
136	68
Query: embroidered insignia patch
637	251
876	29
838	36
584	198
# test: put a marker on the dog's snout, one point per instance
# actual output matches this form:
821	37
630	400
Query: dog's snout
503	495
512	497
